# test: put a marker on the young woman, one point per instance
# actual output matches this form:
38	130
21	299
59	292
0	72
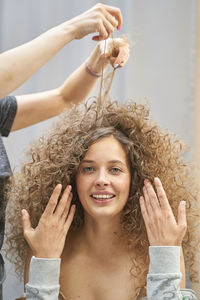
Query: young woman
122	236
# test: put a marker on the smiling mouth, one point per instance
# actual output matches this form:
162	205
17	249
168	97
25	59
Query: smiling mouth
102	197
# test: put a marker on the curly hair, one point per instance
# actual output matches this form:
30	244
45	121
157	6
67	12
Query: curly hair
55	158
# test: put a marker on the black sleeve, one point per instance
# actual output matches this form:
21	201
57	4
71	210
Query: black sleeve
8	109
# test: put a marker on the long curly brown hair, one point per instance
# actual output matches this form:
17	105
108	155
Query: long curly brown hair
55	158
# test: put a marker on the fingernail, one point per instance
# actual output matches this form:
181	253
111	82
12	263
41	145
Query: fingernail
116	65
119	28
24	212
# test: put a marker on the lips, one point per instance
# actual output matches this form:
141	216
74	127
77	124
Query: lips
102	198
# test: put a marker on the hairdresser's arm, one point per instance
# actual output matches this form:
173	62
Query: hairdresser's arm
37	107
18	64
165	236
46	243
41	106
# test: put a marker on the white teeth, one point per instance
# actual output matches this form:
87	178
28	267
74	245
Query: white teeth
102	196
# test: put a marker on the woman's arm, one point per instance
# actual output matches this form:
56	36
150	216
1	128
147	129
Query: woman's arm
34	108
43	281
18	64
163	280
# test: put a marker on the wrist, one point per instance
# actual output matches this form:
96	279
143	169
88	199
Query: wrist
66	31
46	255
96	61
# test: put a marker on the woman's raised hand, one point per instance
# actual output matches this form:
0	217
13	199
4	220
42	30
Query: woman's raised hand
47	240
101	18
161	225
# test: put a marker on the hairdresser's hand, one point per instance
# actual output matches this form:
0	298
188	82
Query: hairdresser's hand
48	238
116	50
100	18
161	225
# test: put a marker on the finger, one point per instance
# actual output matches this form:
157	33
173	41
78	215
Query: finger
26	224
70	217
102	32
153	199
122	57
161	194
108	27
52	201
110	18
63	203
116	12
144	211
105	29
182	222
147	202
67	207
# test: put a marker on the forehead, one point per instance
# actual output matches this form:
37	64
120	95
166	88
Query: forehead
107	148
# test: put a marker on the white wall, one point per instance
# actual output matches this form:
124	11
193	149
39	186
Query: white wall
161	65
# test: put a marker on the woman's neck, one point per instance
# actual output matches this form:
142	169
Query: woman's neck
103	236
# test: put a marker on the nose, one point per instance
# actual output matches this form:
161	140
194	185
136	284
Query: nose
102	179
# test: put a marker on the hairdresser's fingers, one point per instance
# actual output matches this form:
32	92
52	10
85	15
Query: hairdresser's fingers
51	205
122	57
116	12
182	221
108	27
63	203
70	218
105	29
110	18
26	223
103	34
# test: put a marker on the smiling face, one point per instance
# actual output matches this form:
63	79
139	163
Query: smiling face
103	180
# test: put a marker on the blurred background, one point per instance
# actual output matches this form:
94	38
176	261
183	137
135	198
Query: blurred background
163	66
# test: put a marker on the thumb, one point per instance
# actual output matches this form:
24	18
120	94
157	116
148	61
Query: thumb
26	224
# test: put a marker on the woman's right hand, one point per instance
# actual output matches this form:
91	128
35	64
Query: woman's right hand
47	240
100	18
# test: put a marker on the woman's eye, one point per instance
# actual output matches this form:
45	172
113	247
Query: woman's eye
88	169
115	170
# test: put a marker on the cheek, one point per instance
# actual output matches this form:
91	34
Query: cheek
125	186
81	184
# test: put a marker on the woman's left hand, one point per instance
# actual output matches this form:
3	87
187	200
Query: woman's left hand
161	225
116	50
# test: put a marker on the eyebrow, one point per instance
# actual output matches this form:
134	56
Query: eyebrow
114	161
